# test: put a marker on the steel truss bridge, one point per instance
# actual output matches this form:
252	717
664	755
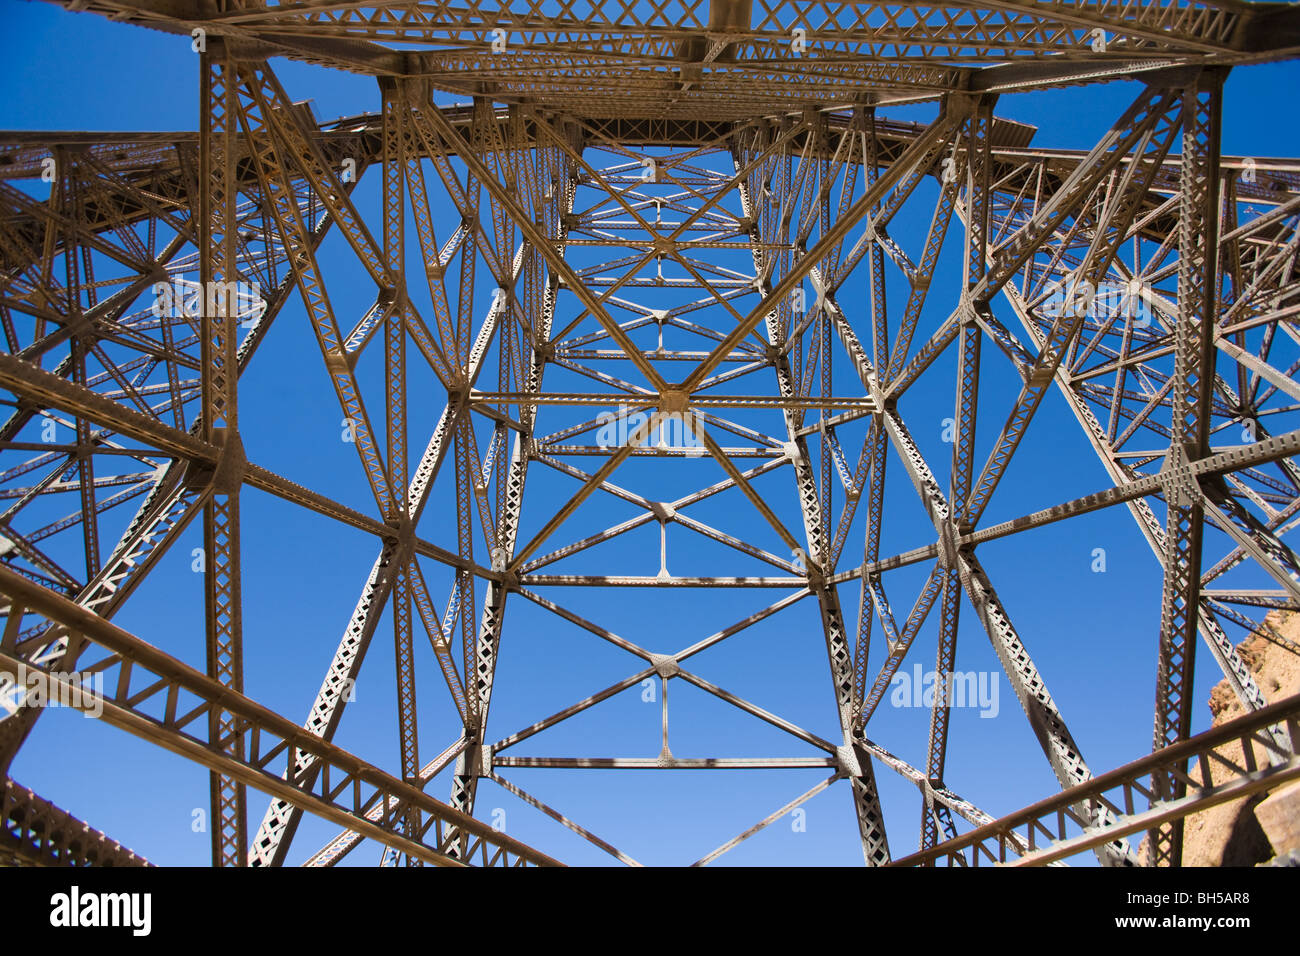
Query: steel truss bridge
590	205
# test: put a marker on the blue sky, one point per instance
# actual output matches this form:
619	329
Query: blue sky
1093	635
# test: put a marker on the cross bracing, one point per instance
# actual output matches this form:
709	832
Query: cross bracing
655	268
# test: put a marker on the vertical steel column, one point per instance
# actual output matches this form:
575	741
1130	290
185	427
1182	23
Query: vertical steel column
218	277
934	815
70	203
877	443
1193	385
394	110
551	220
855	762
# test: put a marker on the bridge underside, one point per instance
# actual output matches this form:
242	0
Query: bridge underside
683	292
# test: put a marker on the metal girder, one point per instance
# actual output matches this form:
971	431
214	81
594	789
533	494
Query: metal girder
217	268
620	158
170	503
34	832
915	156
166	512
282	817
1180	606
343	792
1051	829
978	161
856	764
1026	681
395	376
693	58
1131	488
51	391
479	678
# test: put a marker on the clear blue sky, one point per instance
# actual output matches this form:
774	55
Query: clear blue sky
1092	635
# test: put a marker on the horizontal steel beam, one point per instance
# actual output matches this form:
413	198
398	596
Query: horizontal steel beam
38	386
667	763
1052	829
147	681
34	832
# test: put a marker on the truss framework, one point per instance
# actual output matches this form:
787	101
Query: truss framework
34	832
689	157
1050	833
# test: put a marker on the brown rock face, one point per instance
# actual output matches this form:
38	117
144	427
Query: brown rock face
1279	817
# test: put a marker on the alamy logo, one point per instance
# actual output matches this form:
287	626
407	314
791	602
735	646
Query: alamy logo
673	431
38	688
965	689
182	298
1129	300
76	909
